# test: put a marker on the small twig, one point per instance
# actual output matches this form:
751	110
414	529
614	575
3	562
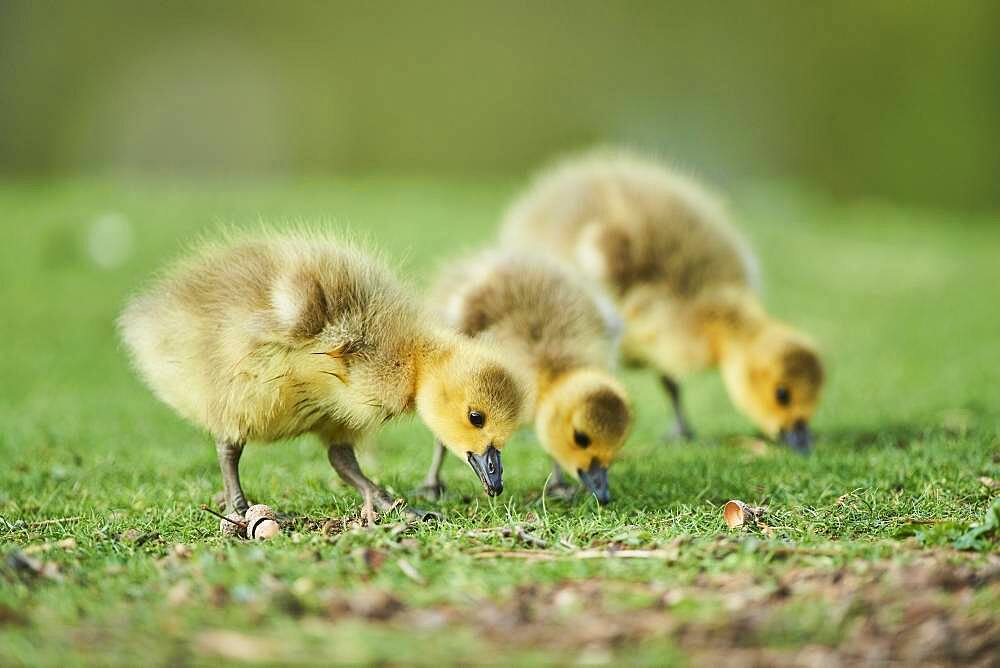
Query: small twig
54	521
581	554
528	538
223	517
626	554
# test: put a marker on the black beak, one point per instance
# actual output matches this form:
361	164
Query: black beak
489	469
596	480
799	437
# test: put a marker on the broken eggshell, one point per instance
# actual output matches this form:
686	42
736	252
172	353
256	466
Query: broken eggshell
261	522
234	525
736	513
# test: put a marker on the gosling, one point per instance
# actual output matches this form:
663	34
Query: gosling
547	323
267	338
683	279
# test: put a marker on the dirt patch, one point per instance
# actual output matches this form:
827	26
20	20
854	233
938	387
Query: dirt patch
926	612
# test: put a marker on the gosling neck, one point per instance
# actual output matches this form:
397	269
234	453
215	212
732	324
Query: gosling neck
547	380
729	320
430	351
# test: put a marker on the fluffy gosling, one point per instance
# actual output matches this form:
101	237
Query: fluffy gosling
267	338
547	323
683	279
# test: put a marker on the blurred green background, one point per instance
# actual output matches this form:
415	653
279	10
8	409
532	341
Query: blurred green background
896	100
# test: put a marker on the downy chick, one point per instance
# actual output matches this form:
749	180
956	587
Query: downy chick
266	338
547	323
683	279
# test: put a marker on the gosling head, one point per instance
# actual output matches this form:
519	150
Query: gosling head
582	423
776	380
473	404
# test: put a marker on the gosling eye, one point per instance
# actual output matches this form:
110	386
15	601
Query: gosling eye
782	395
581	439
477	419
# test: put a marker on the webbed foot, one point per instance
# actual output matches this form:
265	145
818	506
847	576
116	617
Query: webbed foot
431	491
679	432
422	515
561	489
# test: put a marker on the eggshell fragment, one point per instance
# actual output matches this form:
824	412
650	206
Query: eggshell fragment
229	528
265	529
260	511
261	523
736	513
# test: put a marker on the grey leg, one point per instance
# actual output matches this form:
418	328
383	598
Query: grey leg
346	465
681	428
432	488
559	485
229	461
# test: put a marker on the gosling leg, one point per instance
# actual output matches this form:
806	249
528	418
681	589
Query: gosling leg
346	465
682	429
229	453
432	487
559	486
344	462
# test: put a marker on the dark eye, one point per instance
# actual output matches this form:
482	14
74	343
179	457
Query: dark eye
783	396
477	419
581	439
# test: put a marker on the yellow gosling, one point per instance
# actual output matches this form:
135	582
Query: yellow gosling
266	338
684	280
547	323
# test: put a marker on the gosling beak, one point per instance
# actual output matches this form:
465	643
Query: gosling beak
799	438
596	480
489	469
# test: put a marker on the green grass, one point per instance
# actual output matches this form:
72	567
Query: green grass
903	303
